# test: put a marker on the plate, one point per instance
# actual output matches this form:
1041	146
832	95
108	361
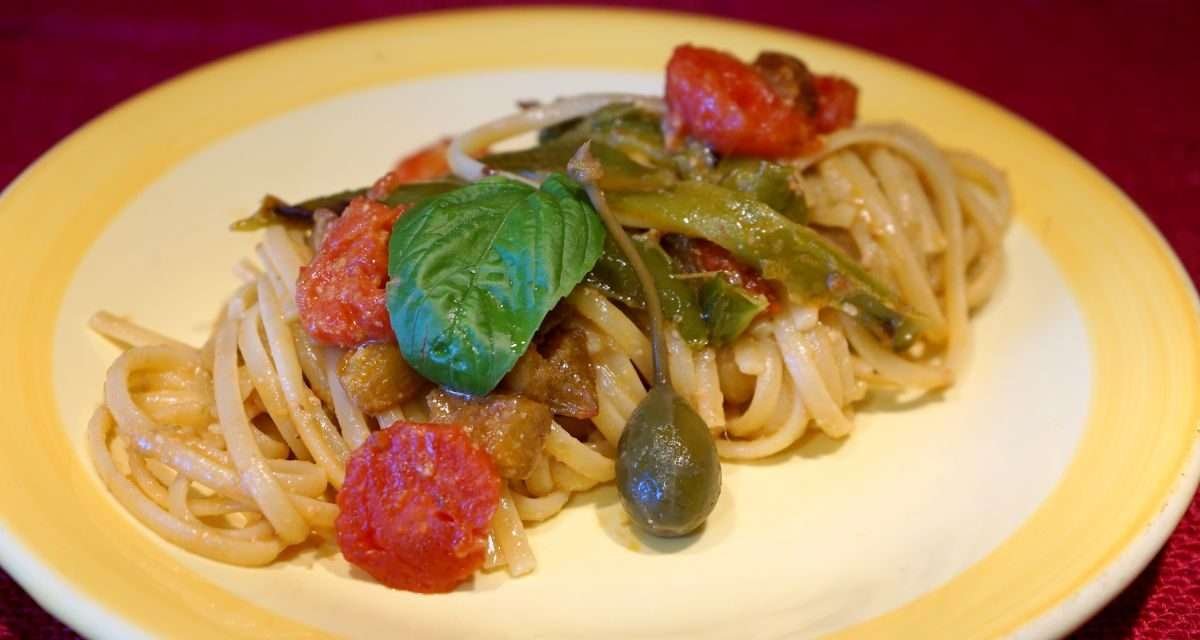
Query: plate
1017	504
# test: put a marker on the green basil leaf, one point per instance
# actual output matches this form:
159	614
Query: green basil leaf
474	271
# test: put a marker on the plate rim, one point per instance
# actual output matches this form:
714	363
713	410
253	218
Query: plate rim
57	594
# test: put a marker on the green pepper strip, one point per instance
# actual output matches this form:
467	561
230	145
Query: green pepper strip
271	210
808	266
614	276
268	212
765	181
618	133
728	309
415	192
584	169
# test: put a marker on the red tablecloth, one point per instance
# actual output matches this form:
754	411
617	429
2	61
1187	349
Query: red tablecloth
1117	81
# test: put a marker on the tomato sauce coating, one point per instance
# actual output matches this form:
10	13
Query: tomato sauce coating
417	506
340	295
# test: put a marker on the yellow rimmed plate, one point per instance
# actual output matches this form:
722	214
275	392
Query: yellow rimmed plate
1016	505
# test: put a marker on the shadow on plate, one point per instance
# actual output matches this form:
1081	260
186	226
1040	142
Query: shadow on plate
895	401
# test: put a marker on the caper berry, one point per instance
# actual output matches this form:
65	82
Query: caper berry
668	473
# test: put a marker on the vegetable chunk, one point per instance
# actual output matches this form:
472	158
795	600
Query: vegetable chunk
511	429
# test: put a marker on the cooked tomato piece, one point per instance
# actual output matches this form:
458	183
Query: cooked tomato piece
709	256
837	103
340	294
417	506
726	103
428	163
761	110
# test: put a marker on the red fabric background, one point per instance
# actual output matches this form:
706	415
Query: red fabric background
1117	81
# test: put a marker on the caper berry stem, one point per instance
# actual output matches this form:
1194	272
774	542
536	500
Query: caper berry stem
584	168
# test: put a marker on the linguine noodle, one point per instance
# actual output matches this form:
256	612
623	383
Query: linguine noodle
234	450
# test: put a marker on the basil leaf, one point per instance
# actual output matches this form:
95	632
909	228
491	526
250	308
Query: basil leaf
474	271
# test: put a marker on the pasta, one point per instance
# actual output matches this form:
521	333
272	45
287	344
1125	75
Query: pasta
236	449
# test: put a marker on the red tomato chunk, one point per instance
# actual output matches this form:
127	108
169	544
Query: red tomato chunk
423	165
764	110
417	506
837	102
709	256
340	294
